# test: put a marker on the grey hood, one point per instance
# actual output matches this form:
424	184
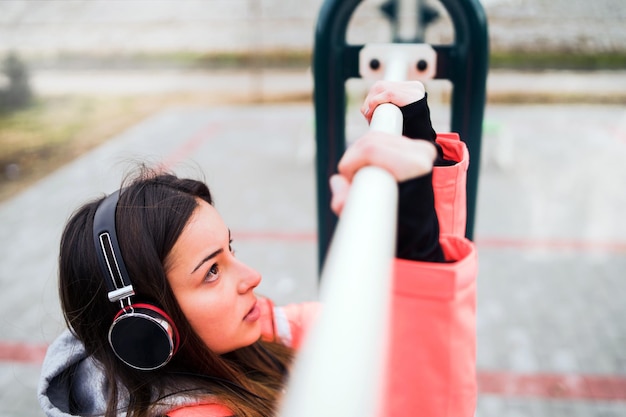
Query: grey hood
73	384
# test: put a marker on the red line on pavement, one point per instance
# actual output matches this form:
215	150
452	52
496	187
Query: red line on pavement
553	386
191	145
499	383
22	352
553	244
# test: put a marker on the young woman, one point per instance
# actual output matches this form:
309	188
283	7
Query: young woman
221	350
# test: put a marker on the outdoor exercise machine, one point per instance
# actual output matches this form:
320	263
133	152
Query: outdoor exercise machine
464	63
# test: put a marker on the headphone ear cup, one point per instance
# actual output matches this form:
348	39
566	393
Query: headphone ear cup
143	337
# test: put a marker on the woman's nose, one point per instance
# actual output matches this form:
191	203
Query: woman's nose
249	278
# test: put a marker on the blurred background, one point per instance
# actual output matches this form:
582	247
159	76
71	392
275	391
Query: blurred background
224	88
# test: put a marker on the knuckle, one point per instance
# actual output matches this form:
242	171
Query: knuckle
387	96
379	86
368	148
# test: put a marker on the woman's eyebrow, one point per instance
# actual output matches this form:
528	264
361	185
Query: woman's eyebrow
211	255
208	258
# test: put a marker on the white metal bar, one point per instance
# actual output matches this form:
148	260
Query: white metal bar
407	19
339	371
387	118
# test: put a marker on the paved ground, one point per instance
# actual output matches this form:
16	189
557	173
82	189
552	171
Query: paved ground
549	231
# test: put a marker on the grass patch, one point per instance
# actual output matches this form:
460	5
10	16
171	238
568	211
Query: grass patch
538	60
278	59
294	59
54	130
47	123
262	60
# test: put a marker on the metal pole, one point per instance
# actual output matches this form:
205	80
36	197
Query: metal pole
464	62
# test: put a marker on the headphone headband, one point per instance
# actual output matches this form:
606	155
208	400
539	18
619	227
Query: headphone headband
142	335
109	253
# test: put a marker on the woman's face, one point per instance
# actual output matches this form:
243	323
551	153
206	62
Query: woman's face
213	288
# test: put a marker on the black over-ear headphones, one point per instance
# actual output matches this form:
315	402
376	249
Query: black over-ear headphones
142	336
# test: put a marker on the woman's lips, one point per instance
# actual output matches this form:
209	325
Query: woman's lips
254	314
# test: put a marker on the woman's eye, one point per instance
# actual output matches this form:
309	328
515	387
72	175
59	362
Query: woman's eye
212	274
230	247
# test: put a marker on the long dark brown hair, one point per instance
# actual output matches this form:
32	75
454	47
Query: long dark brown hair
152	212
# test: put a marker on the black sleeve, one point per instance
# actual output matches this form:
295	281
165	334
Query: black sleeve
418	225
417	125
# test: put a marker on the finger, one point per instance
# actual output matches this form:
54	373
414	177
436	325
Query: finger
373	148
339	187
403	158
398	93
374	100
